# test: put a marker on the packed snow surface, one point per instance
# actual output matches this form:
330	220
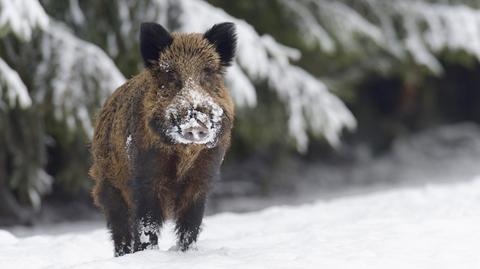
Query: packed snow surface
431	226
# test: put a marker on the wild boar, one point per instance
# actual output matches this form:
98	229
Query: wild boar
161	137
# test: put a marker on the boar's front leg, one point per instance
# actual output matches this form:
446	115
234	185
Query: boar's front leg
188	223
190	204
148	215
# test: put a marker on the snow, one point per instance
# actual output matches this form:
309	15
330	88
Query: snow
333	24
420	29
72	76
147	229
237	79
76	12
64	73
429	226
19	17
164	66
452	27
128	146
12	86
22	16
308	24
80	75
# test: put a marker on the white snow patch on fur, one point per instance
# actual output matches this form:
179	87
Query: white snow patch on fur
145	230
128	145
164	66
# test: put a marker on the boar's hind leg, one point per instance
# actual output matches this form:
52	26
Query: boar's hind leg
118	217
188	223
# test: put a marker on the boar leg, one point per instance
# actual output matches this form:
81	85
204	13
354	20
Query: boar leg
148	215
188	223
148	220
118	217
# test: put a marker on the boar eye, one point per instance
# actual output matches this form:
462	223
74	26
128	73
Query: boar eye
170	75
208	72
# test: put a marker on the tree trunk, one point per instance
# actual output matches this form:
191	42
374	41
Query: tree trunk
11	213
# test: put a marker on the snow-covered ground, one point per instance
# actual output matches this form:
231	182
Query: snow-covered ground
430	226
425	214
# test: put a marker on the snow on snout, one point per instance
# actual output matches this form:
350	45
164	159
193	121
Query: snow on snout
193	100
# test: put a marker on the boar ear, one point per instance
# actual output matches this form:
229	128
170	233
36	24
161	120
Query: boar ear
153	40
224	38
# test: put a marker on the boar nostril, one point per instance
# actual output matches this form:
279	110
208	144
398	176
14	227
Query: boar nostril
195	133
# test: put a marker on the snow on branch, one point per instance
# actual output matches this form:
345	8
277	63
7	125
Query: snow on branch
450	27
331	24
12	87
407	29
308	24
21	17
310	105
79	75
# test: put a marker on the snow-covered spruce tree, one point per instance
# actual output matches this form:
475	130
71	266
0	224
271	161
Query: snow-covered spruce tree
415	31
20	140
51	83
378	48
385	57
